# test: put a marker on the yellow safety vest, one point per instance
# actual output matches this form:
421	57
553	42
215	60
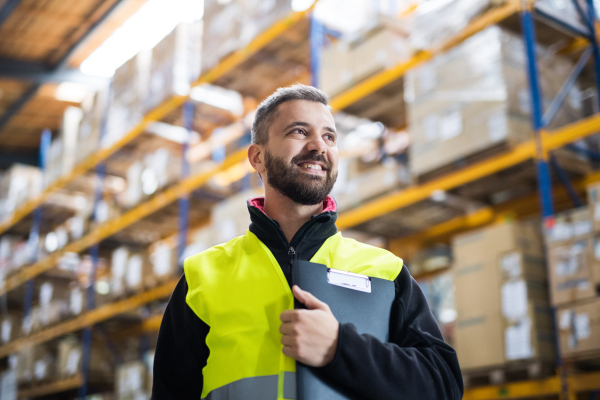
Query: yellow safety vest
239	290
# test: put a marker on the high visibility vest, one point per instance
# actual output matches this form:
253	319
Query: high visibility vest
239	290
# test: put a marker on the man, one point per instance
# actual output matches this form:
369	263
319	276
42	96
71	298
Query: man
230	331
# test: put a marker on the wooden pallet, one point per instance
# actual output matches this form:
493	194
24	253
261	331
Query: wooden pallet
508	373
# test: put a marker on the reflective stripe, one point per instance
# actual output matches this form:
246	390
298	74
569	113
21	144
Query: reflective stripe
256	388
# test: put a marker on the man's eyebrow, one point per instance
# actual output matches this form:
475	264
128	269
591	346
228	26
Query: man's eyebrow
296	123
332	130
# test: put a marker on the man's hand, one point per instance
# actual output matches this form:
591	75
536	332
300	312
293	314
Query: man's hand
309	336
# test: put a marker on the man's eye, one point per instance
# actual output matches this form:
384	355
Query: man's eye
300	131
330	137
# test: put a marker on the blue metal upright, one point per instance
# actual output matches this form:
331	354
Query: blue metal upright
184	201
540	121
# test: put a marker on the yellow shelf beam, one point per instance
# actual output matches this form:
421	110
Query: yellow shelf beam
579	383
388	76
225	66
111	227
52	387
90	318
518	208
520	153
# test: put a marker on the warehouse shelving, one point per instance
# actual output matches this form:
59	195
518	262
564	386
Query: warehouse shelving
169	105
373	209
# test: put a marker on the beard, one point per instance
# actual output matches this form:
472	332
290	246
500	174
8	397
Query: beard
301	188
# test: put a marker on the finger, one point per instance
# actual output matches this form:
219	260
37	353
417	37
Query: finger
289	351
310	301
288	316
287	328
288	341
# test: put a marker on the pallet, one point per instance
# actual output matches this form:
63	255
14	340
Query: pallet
511	372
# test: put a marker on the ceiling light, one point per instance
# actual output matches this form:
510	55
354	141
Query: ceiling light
143	30
302	5
219	97
71	91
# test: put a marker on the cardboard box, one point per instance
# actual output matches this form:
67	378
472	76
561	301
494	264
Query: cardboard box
88	139
474	97
593	195
175	63
130	379
9	326
570	271
569	225
347	63
129	92
579	326
479	340
531	336
17	185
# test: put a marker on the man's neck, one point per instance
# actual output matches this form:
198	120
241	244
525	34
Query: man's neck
290	215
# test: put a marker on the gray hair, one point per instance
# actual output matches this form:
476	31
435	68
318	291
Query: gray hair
267	111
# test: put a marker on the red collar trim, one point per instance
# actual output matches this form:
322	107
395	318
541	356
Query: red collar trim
328	204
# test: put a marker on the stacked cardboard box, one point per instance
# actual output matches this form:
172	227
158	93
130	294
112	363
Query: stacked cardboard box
62	155
18	184
356	184
346	63
175	63
129	92
501	296
231	25
94	109
571	257
68	360
574	252
131	272
9	326
131	381
475	97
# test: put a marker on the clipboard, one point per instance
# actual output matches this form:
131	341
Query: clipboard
363	301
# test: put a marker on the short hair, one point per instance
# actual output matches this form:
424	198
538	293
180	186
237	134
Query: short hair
267	111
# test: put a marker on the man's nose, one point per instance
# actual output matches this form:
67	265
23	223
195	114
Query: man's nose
317	144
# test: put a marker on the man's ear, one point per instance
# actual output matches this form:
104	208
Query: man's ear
256	158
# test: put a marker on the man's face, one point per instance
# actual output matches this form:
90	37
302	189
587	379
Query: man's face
301	156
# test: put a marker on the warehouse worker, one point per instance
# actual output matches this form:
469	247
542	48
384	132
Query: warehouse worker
230	332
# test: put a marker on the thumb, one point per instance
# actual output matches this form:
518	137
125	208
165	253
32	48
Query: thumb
310	301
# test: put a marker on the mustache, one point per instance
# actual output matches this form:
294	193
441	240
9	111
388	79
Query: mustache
311	157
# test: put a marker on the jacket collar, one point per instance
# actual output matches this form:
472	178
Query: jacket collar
317	230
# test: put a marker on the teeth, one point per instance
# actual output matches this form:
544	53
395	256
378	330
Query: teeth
311	166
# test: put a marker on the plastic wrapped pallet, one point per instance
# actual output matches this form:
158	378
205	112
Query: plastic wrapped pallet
44	363
25	362
347	62
175	63
18	184
229	26
579	327
475	97
439	292
438	20
8	385
129	92
9	326
68	362
94	109
593	195
131	381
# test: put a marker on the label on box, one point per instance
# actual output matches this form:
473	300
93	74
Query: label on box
73	361
511	264
134	379
524	101
514	299
162	260
430	127
597	249
518	341
134	270
582	326
46	291
40	369
6	328
119	262
583	285
597	212
497	127
561	231
451	125
565	319
427	78
581	228
76	303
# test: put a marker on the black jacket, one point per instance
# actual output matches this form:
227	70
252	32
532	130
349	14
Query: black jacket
416	364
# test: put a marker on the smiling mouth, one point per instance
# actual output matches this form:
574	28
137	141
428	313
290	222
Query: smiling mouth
312	167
